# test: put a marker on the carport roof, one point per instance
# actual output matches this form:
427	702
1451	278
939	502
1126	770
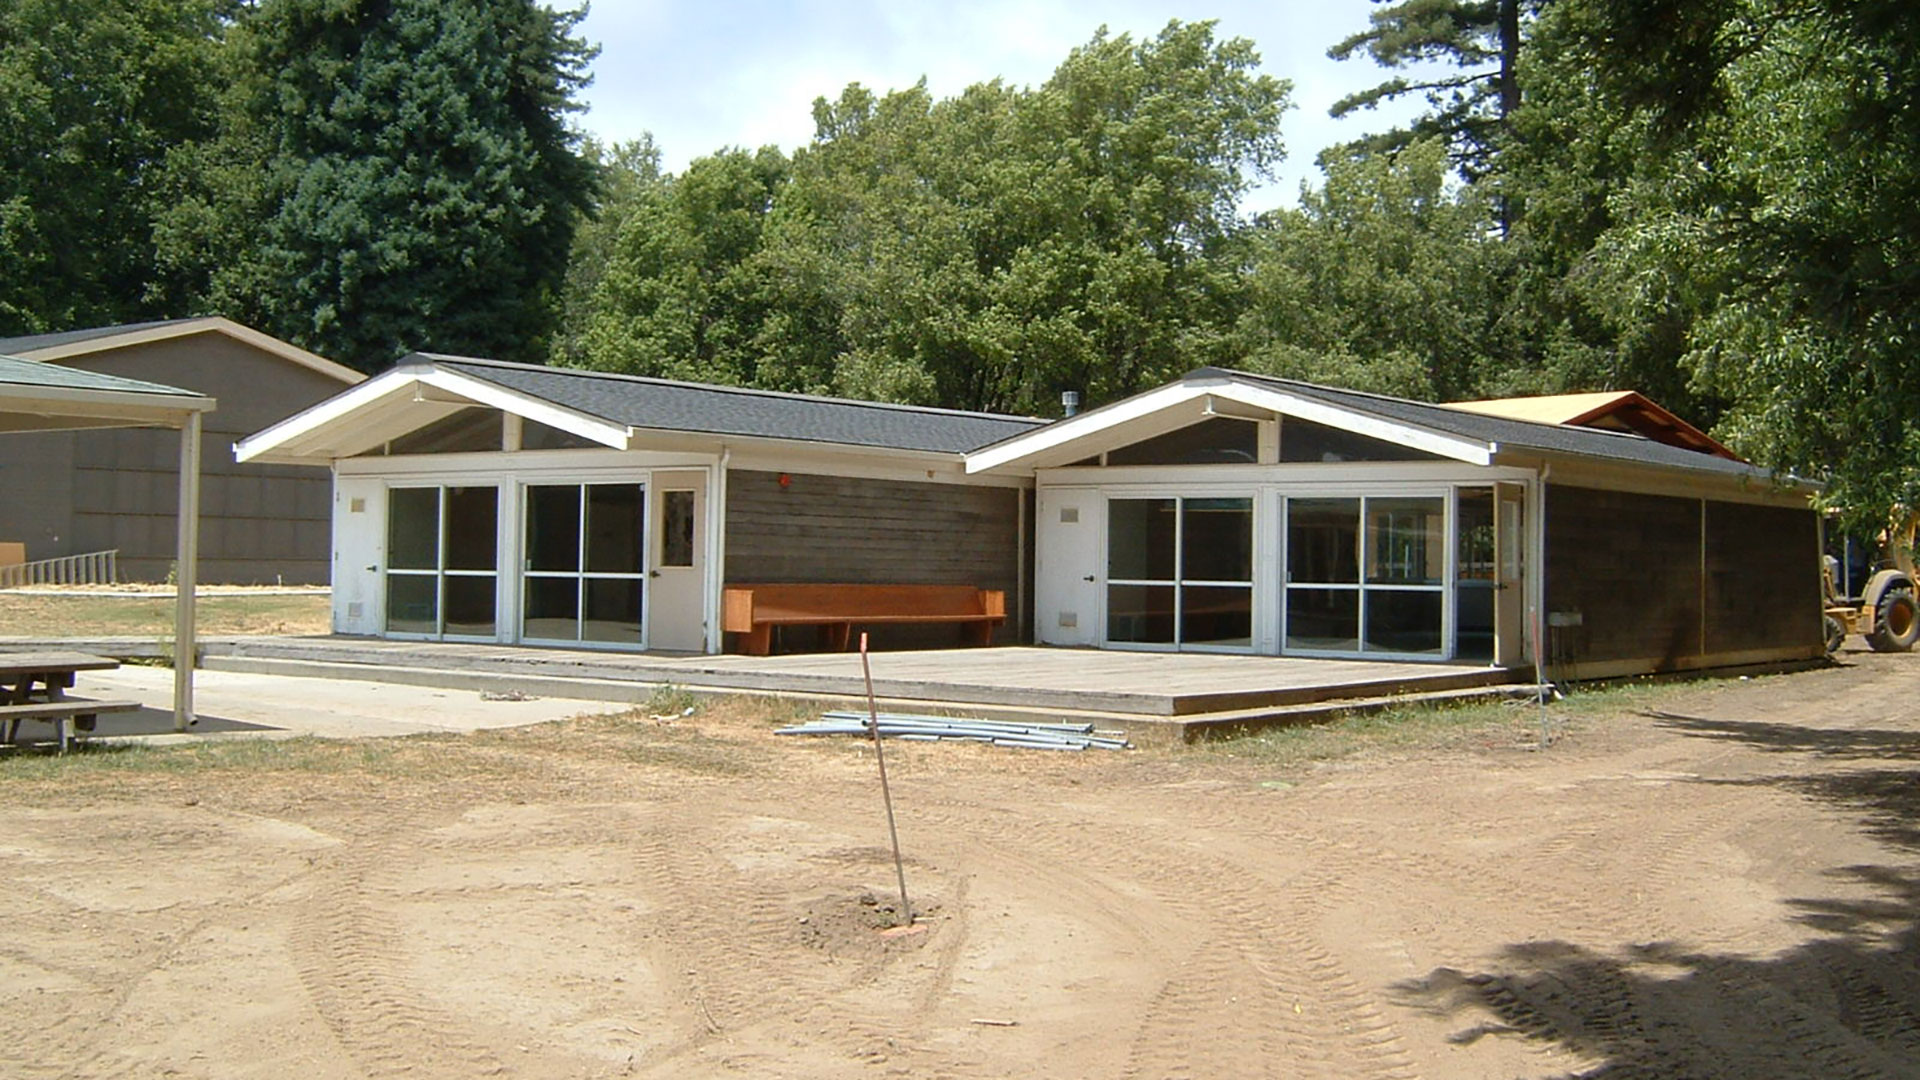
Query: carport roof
38	396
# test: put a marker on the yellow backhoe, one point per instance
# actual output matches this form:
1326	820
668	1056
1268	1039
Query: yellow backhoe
1870	587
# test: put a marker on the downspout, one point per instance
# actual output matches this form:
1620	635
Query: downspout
717	549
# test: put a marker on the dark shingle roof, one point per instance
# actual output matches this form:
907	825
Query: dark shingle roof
17	372
1510	434
34	342
666	405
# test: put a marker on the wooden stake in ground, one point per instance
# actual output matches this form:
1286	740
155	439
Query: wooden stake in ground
886	793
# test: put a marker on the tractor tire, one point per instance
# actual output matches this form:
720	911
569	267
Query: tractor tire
1836	632
1896	621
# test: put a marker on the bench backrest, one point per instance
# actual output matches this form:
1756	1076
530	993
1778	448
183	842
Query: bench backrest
855	601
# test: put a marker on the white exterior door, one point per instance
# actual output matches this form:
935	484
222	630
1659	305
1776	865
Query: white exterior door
1070	567
359	554
677	608
1510	573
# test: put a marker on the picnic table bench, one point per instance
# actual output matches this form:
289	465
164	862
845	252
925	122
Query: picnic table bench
34	685
752	611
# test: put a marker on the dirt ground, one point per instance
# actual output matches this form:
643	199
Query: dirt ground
1710	881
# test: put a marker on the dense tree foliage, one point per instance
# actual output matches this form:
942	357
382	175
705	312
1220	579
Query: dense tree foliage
985	251
94	95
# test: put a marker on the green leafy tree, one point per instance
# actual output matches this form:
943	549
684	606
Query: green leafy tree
628	175
422	185
94	96
1778	197
1385	279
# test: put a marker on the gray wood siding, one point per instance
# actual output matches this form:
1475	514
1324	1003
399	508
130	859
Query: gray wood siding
1630	565
259	523
1679	581
825	529
1763	577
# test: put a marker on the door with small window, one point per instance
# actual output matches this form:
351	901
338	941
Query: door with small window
677	578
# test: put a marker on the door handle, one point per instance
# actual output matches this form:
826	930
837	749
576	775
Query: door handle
1089	577
373	569
653	573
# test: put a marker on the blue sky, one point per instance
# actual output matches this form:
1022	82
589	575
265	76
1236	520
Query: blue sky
701	76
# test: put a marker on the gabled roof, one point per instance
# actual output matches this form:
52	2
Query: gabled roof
1438	429
71	344
619	411
1616	410
38	396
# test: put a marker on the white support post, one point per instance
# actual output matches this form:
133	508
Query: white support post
186	575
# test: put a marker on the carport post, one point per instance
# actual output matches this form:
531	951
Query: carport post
185	573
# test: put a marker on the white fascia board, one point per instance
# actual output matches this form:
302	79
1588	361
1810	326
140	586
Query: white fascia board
57	401
1457	447
1022	448
285	438
479	391
1026	449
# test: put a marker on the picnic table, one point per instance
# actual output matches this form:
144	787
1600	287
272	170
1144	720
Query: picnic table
34	685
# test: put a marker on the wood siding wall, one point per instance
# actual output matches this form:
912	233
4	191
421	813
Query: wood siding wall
1677	583
825	529
97	490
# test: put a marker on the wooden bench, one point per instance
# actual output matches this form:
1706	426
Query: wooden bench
67	714
752	611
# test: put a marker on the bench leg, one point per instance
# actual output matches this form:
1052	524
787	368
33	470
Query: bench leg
64	725
13	728
837	636
978	633
757	641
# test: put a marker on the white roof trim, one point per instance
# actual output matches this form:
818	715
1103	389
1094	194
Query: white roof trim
188	327
1054	440
325	430
55	408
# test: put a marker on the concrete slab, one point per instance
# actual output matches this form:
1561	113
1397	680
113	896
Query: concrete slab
239	703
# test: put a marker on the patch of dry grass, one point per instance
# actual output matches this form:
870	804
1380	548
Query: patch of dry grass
77	613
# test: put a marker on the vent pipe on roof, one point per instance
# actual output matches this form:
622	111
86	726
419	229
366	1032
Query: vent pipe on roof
1069	402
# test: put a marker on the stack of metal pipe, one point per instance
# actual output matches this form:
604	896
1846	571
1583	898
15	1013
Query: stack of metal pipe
1034	736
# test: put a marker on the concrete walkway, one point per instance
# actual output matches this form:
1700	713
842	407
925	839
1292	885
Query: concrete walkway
232	703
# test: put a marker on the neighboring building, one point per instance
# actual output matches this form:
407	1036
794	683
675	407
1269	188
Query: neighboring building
77	492
484	501
1608	410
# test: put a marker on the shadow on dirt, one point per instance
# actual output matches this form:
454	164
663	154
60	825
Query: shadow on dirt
1845	1004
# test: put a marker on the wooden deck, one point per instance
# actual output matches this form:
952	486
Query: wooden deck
1138	684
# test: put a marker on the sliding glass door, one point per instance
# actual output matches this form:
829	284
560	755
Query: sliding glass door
586	575
1366	576
442	561
1180	573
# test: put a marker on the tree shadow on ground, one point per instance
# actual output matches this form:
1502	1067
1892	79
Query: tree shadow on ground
1844	1004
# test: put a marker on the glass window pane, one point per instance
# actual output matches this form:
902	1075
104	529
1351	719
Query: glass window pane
1326	619
613	610
1140	613
1219	441
1140	540
676	528
1474	588
413	528
470	607
614	529
472	535
1304	440
1218	541
1406	541
1403	621
1323	540
1216	615
553	528
553	608
413	604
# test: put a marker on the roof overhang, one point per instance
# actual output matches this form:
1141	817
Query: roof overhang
403	400
57	408
1191	400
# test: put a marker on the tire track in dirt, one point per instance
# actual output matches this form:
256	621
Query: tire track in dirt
353	966
1258	986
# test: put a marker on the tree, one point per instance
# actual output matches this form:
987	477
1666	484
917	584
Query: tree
1480	39
93	96
1780	193
422	185
628	175
1384	280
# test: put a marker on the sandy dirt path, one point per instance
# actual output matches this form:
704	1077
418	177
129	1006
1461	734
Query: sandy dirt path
1726	887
